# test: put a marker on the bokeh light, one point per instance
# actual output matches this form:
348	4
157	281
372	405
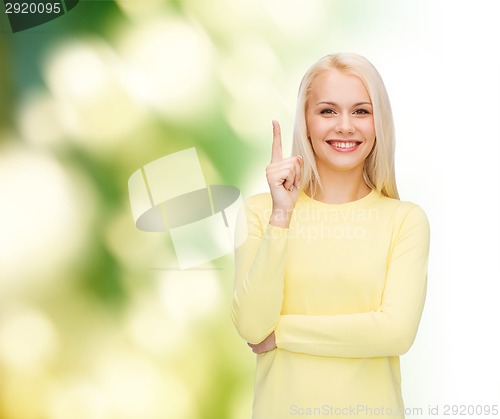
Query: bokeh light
28	339
171	64
94	104
39	120
43	207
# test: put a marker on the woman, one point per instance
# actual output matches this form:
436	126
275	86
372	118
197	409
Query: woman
330	282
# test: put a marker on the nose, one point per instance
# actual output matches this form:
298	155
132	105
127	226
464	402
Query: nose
344	125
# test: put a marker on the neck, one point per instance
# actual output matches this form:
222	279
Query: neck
340	187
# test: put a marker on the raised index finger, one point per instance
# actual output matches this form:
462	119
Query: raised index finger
277	153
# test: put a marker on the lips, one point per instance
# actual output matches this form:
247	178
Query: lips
344	145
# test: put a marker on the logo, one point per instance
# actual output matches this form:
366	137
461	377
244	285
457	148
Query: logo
170	195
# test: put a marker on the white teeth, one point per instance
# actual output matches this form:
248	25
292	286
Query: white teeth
343	145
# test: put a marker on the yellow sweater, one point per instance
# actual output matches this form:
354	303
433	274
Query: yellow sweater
343	289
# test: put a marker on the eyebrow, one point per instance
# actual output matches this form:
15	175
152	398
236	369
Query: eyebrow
336	104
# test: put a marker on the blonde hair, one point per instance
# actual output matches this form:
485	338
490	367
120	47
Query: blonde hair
378	171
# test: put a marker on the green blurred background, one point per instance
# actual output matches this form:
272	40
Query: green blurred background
96	319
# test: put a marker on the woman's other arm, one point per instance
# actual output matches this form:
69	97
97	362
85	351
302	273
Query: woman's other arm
388	331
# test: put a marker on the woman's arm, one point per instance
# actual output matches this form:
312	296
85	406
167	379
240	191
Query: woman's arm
259	274
388	331
260	261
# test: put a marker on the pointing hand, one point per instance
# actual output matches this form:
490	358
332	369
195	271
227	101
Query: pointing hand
283	176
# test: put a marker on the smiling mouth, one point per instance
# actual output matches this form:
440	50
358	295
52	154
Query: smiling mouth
344	145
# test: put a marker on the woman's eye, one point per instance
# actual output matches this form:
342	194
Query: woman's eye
327	112
361	112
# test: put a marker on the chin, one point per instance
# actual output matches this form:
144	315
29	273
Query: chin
342	165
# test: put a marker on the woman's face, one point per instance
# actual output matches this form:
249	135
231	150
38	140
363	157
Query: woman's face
340	123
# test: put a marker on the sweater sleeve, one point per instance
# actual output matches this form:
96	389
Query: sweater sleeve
388	331
259	275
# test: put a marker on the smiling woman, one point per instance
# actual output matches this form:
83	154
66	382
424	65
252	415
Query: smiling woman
345	126
326	298
354	80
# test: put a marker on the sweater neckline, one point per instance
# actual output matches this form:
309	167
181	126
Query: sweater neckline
365	200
